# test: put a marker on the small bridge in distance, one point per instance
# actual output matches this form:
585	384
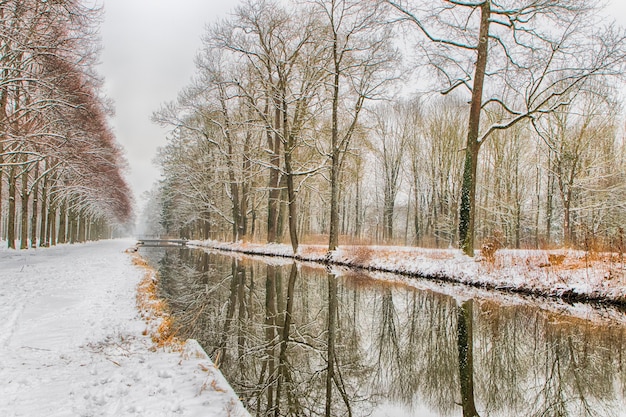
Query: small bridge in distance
160	241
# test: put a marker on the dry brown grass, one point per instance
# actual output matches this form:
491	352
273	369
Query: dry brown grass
360	254
490	247
155	310
312	250
556	259
434	254
562	262
314	239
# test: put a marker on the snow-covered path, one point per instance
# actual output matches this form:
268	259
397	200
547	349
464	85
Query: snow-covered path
71	342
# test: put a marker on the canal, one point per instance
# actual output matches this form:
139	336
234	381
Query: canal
300	340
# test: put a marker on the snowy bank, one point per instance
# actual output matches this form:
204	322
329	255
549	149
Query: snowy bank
568	274
72	342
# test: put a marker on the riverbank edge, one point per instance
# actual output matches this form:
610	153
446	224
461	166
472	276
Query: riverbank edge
471	276
155	312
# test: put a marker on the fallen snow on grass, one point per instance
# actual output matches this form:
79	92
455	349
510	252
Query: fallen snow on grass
574	275
73	344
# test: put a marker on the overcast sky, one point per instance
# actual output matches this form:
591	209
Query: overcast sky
148	57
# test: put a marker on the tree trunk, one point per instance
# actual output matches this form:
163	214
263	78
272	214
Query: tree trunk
466	358
468	201
245	187
538	196
518	223
388	209
72	224
344	212
24	208
567	225
274	183
3	121
11	214
467	210
333	237
206	225
1	174
517	202
232	178
234	193
52	224
282	209
291	203
33	218
407	218
549	192
62	234
416	218
43	226
289	142
357	205
82	229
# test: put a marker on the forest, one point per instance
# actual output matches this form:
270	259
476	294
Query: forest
438	124
61	169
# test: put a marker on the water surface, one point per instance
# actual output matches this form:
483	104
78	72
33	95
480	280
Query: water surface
294	340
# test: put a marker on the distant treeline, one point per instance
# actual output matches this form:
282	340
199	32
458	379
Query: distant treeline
304	121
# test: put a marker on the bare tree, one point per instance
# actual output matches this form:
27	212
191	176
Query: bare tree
578	137
435	169
280	81
393	130
527	58
361	59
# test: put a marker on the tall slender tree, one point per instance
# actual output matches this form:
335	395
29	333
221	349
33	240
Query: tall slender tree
360	66
525	58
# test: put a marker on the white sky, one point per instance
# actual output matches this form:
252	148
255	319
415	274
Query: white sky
148	57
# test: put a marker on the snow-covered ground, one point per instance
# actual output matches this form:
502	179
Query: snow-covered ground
569	274
72	342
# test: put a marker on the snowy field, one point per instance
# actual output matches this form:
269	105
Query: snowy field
72	342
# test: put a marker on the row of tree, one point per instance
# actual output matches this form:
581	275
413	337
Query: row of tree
60	166
304	120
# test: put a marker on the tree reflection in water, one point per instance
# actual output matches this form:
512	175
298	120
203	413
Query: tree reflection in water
299	341
464	325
